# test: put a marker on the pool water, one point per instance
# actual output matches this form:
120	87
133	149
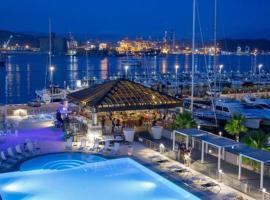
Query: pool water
60	161
118	179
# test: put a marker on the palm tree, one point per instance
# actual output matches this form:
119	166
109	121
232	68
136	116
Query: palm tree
256	139
235	126
183	120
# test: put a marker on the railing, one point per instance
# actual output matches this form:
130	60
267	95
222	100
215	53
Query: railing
233	182
153	145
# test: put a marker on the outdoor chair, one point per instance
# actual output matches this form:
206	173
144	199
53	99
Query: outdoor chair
31	149
115	148
95	147
12	155
7	160
19	151
210	186
160	160
83	145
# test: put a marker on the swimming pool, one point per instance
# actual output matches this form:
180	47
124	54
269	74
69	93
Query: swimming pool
118	179
60	161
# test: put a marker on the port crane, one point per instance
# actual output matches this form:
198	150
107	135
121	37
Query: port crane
5	45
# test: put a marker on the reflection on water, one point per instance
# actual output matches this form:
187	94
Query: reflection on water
186	63
104	68
73	71
18	81
164	65
28	80
26	73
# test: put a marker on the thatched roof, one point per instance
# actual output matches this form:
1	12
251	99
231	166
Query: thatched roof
120	95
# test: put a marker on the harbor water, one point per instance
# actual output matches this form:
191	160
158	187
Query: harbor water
25	73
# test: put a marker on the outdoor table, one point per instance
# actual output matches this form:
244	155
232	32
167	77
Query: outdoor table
129	134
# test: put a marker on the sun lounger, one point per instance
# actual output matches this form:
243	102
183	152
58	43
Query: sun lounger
11	154
95	147
83	145
7	160
210	185
30	148
160	159
19	151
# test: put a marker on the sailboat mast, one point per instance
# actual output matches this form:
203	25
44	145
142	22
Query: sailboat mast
50	44
215	49
193	54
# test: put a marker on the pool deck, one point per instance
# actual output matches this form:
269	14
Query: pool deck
49	140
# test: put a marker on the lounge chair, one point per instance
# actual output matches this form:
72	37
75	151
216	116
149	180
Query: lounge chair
210	186
7	160
115	148
160	160
83	145
180	170
19	151
30	148
95	147
12	155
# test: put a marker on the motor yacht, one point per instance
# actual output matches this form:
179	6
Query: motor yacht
52	94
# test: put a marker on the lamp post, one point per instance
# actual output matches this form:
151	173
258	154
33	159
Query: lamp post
51	74
220	172
220	70
260	67
176	75
126	70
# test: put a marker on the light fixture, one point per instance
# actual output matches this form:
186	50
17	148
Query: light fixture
51	68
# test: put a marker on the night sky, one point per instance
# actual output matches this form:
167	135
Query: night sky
236	18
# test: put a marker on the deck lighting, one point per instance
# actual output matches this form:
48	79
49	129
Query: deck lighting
161	148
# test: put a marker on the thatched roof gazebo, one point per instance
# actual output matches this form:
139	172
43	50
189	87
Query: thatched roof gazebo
122	95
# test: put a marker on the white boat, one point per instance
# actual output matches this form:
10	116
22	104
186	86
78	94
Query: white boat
52	94
253	117
256	102
228	108
80	85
